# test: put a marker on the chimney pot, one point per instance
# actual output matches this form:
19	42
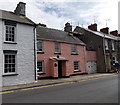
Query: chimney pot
93	27
115	33
105	30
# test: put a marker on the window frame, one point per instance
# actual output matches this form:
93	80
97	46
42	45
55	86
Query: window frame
57	47
10	34
42	67
106	45
114	59
113	45
74	49
41	46
78	66
10	73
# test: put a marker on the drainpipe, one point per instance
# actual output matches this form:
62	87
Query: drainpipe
104	52
35	54
85	61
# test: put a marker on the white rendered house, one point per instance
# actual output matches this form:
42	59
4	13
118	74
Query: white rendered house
17	47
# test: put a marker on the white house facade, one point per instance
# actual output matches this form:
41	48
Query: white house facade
17	47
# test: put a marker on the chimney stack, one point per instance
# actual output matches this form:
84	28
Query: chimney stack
93	27
20	9
105	30
68	27
115	33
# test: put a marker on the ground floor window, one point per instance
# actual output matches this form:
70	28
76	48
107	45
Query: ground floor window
76	66
114	59
9	63
40	66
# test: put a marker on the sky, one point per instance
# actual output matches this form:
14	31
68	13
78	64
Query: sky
55	13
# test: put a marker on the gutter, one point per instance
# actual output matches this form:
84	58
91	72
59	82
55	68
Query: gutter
35	54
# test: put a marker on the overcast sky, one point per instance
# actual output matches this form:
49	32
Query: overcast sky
55	13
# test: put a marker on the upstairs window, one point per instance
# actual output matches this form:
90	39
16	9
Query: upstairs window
73	49
106	44
40	46
113	46
57	47
10	28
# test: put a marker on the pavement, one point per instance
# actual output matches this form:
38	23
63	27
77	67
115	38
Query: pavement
44	82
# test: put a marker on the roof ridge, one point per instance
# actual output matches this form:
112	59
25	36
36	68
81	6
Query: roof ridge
52	29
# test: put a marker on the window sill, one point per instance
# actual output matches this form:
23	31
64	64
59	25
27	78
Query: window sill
74	54
41	73
10	42
9	75
38	52
57	53
77	71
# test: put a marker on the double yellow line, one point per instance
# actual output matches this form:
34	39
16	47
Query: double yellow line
38	87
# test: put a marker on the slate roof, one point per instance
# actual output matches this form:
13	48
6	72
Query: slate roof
107	36
56	35
7	15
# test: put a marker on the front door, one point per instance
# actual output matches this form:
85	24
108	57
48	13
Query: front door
59	68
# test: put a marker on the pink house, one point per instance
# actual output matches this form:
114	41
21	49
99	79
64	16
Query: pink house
60	54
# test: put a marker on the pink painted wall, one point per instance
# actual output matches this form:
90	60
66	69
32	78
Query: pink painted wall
49	68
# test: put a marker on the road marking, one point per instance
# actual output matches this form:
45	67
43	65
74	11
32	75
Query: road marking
6	92
69	82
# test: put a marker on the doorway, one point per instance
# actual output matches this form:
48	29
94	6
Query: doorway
59	68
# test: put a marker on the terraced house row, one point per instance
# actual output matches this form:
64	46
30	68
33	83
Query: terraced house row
29	51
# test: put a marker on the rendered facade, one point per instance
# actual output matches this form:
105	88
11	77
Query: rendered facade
60	53
17	51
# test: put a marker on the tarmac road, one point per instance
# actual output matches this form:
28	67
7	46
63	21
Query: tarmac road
102	90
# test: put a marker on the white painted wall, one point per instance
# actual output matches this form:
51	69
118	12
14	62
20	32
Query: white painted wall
25	56
1	57
0	53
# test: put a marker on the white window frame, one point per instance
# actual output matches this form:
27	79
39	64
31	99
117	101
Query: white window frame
78	66
41	45
8	73
113	45
106	44
73	49
42	67
57	47
10	26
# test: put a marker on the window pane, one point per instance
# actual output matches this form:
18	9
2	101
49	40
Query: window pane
10	33
40	46
73	48
57	47
40	66
9	63
76	66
